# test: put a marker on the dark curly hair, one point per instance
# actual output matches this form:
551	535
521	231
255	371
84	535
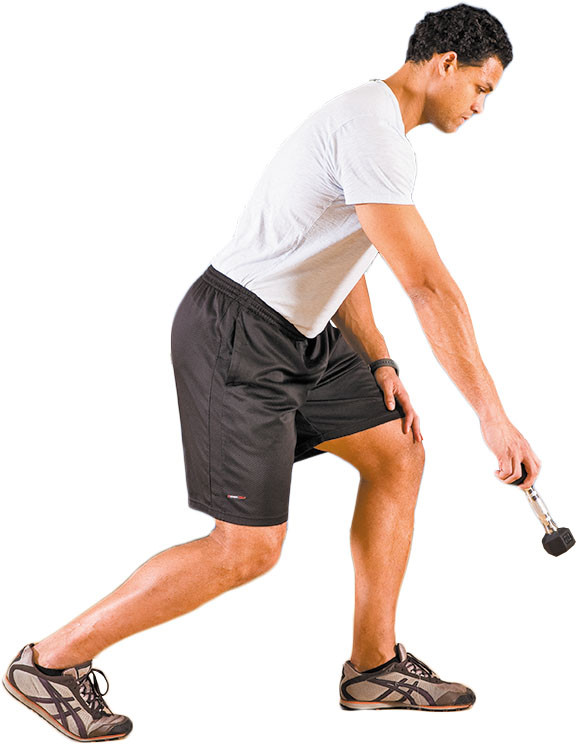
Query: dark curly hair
473	33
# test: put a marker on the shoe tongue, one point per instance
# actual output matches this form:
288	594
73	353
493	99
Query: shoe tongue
401	654
79	670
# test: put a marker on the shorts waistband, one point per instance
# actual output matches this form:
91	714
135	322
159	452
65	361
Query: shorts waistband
250	301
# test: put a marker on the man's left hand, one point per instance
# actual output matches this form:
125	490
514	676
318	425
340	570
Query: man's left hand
392	387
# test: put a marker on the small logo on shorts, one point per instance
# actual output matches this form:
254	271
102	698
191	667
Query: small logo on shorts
234	496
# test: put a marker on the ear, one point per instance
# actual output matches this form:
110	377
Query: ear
448	64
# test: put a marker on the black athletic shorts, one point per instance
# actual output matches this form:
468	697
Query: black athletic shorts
256	395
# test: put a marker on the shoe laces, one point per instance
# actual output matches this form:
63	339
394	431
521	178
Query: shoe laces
91	692
416	666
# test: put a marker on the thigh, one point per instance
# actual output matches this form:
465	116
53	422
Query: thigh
240	539
347	399
237	402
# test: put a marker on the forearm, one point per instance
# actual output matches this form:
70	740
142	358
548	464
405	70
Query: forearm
355	320
445	319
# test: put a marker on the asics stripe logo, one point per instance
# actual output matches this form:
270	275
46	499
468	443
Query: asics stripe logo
405	689
62	703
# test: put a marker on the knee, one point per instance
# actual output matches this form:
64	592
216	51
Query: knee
402	458
247	552
415	455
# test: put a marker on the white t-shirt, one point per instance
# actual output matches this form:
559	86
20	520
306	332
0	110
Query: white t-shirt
298	244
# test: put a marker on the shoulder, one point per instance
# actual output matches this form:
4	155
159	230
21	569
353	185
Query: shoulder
369	106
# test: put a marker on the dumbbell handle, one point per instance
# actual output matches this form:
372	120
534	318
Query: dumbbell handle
538	506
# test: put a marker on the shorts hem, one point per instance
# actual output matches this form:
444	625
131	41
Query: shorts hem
344	431
237	518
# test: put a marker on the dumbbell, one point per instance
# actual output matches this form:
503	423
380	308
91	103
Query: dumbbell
557	540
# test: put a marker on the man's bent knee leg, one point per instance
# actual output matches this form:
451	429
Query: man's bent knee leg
397	456
247	552
381	452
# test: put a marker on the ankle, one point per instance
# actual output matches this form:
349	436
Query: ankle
371	660
43	657
51	658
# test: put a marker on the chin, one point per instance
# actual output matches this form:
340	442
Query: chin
446	127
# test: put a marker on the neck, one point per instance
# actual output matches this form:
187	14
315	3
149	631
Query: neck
408	85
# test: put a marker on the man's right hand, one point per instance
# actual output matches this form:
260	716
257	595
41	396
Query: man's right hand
511	449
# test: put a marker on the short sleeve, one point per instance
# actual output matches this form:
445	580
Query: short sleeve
373	162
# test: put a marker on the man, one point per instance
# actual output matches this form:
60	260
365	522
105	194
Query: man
265	380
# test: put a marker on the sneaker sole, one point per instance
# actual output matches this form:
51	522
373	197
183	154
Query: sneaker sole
360	705
47	717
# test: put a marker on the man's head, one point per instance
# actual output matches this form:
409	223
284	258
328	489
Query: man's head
462	52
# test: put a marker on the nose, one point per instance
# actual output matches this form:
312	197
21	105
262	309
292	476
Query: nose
478	106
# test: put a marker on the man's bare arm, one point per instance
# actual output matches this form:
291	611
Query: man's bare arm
354	318
400	235
355	321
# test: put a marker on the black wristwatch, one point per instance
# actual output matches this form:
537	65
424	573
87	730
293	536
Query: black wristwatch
383	363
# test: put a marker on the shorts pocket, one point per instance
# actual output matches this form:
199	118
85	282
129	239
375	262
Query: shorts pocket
258	353
237	344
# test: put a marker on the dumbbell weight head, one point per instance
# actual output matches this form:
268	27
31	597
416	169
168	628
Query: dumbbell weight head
558	542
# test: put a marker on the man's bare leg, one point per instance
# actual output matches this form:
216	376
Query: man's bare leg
168	585
390	465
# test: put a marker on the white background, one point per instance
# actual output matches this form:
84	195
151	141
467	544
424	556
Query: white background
131	136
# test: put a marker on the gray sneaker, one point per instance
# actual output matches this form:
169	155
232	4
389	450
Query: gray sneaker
402	682
71	701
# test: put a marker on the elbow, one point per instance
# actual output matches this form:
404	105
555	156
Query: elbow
429	286
445	292
423	292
